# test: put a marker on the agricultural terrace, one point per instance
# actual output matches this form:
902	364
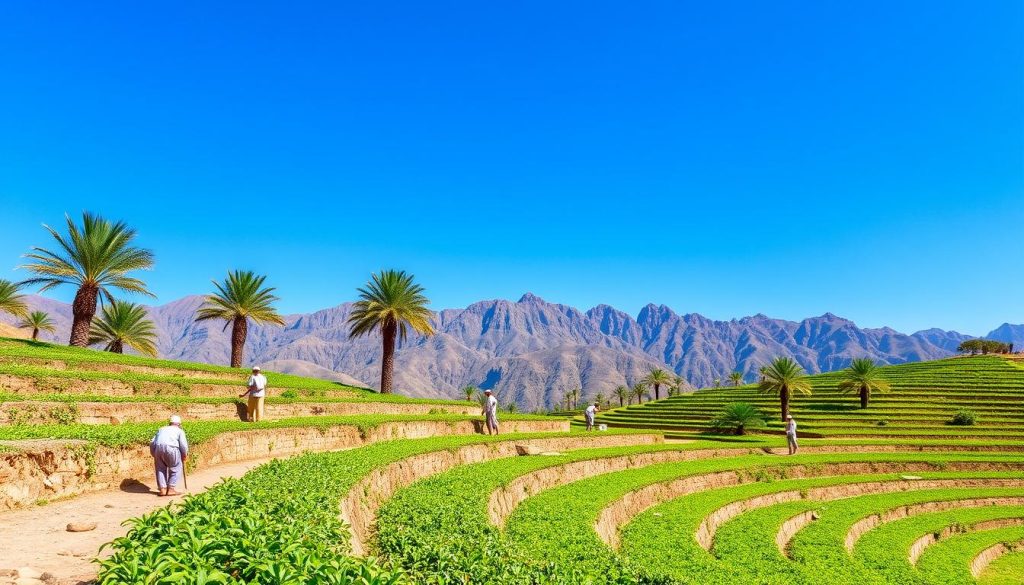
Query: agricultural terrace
410	491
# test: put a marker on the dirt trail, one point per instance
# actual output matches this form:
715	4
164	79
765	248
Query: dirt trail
37	537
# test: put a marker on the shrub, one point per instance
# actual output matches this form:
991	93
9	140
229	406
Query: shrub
964	417
290	393
737	417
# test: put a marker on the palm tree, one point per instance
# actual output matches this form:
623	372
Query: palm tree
736	378
624	394
655	379
639	391
10	300
738	417
392	302
95	257
863	376
240	298
568	400
38	321
576	397
469	392
599	399
718	382
512	408
783	376
124	324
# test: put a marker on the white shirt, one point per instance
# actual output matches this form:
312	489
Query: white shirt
491	406
171	436
591	410
260	381
791	427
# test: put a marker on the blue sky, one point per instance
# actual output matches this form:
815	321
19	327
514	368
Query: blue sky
724	158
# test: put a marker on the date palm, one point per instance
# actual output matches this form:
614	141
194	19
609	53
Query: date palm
863	376
239	299
38	321
576	397
656	379
124	324
639	391
599	399
783	376
737	417
95	257
393	303
624	394
736	378
469	392
11	301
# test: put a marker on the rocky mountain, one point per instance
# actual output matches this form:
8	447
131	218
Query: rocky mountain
1009	333
532	351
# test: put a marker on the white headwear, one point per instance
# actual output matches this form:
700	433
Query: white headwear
175	419
255	368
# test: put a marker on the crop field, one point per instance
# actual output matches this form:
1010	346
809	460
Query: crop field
416	496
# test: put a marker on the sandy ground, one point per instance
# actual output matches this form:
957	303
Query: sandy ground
37	537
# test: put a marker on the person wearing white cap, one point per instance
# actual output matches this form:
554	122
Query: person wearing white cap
490	413
257	391
589	414
169	449
791	434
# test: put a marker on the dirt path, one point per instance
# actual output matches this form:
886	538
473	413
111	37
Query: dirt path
38	538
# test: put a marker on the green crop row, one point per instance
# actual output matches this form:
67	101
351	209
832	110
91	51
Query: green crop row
173	400
950	558
277	524
200	431
1006	570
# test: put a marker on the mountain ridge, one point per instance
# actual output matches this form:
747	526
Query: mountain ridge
532	351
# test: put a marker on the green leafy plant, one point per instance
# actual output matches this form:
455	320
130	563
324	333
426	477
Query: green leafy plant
964	417
738	417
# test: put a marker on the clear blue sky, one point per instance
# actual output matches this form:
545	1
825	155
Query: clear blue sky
864	158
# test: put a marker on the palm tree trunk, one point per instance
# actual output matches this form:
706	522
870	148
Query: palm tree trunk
35	334
863	396
657	394
387	366
83	309
117	346
621	402
784	398
239	331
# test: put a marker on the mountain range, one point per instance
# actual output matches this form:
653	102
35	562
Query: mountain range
533	351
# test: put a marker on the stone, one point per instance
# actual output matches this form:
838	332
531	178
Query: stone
81	526
28	573
528	450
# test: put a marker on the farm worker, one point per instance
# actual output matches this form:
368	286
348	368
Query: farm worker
257	391
589	414
169	449
791	434
491	412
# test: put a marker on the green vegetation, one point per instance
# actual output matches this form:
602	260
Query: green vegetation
11	301
37	321
1006	570
124	324
656	379
785	377
393	303
241	298
737	418
94	258
984	346
964	417
863	376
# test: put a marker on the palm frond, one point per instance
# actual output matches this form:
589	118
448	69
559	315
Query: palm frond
127	324
11	300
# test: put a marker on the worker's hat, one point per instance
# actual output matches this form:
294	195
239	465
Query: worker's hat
175	420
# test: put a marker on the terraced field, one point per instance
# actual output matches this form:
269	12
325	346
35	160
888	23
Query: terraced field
397	496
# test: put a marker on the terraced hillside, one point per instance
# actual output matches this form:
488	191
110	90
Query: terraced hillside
400	498
922	402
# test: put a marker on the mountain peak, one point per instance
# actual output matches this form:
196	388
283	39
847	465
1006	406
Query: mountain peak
530	298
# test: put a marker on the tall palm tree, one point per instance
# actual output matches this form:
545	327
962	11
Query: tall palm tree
96	258
783	376
656	379
469	392
680	383
736	378
624	394
10	300
38	321
863	376
124	324
576	397
391	302
239	299
639	391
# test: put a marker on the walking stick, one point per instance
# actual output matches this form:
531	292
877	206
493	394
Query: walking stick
184	474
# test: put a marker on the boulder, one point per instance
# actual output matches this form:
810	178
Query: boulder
81	526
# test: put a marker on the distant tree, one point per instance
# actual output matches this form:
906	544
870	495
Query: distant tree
971	346
37	321
639	391
469	392
624	395
393	303
656	379
11	301
737	417
512	408
239	299
599	399
124	324
783	376
736	378
718	382
863	377
576	397
984	346
568	400
95	258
